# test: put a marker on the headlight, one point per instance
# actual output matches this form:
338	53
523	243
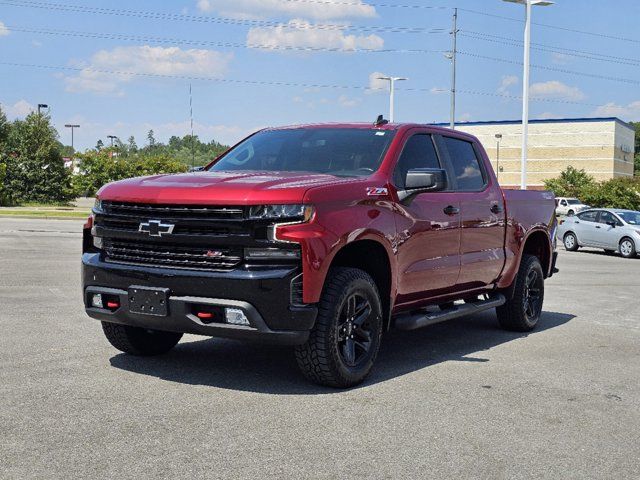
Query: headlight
276	212
97	206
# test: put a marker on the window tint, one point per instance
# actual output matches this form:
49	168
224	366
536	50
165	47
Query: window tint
609	217
466	166
418	152
589	216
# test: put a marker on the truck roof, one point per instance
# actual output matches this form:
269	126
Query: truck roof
386	126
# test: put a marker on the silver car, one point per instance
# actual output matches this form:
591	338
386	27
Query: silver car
610	229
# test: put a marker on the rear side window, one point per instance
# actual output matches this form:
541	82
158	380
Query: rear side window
466	166
588	216
418	152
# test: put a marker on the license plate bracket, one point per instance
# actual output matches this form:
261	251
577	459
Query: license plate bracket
149	300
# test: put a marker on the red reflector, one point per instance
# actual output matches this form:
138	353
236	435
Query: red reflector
204	315
113	305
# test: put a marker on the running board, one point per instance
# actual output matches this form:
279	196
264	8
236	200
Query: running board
423	319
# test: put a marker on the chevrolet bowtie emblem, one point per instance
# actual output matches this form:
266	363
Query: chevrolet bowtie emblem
155	228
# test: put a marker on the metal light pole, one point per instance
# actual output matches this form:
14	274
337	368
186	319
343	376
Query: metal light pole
525	81
392	82
454	51
72	127
112	138
498	138
41	106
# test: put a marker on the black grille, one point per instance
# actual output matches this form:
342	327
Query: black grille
171	255
135	210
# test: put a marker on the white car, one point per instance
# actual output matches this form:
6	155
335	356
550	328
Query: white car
569	206
610	229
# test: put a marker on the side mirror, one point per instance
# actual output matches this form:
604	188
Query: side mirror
420	180
196	169
612	224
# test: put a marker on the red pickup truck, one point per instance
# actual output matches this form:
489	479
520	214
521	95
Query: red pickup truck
322	237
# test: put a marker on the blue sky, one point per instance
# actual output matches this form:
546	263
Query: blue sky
171	44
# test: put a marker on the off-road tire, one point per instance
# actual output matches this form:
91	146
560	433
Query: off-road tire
139	341
513	314
627	253
572	247
319	358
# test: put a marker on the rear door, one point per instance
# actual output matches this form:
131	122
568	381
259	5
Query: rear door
428	241
482	215
585	228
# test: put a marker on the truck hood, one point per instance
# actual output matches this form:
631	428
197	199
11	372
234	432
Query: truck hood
222	188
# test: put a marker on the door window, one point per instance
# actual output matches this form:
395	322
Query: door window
608	217
418	152
589	216
563	203
465	163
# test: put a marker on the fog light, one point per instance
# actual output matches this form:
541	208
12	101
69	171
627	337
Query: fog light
96	300
97	242
235	316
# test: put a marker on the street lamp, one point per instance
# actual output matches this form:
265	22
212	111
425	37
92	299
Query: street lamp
41	106
525	81
112	138
498	138
72	127
392	83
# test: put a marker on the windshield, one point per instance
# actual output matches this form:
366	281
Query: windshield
632	218
573	201
345	152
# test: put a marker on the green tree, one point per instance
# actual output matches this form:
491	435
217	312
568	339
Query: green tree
34	168
151	139
99	144
4	134
571	183
132	147
614	193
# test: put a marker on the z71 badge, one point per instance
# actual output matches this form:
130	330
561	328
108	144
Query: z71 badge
372	191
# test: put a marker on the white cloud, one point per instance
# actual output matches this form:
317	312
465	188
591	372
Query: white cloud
172	61
506	82
629	112
325	10
560	58
287	35
464	117
4	31
20	109
347	102
556	89
376	85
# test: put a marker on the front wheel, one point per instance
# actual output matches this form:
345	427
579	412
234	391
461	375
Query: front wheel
627	248
570	242
139	341
344	342
522	312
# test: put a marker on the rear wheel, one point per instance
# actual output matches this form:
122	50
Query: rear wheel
139	341
627	248
570	242
344	343
571	213
522	312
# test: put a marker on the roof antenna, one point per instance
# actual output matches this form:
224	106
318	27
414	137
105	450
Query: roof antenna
380	121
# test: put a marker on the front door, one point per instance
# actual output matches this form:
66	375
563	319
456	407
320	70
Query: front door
605	234
428	238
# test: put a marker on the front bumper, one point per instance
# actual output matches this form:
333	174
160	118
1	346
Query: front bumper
263	295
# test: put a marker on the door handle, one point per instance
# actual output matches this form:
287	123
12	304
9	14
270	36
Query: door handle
496	208
451	210
597	226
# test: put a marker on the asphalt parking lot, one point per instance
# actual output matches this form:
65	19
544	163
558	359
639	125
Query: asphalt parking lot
456	400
